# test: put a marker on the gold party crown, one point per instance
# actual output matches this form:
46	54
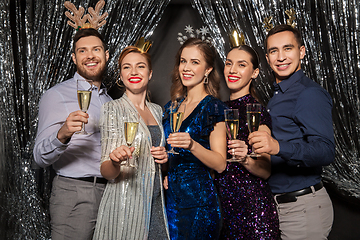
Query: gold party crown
236	40
91	20
143	45
290	21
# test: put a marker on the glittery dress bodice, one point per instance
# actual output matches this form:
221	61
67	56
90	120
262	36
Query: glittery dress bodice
191	201
248	207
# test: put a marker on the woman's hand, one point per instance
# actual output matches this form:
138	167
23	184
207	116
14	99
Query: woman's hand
238	148
121	154
180	140
160	154
166	183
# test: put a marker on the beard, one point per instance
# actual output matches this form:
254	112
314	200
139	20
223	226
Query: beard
95	74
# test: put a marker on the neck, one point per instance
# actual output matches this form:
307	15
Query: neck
196	94
239	94
138	99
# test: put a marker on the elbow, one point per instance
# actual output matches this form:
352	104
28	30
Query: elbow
221	167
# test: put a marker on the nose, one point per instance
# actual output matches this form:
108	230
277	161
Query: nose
282	55
185	67
232	69
133	71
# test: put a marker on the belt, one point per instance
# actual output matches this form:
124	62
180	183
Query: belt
292	196
90	179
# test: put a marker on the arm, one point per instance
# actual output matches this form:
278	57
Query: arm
214	158
315	147
261	166
55	129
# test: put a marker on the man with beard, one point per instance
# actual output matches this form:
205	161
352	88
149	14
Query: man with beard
302	140
78	186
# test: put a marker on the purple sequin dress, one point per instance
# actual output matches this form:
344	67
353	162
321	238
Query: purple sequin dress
249	210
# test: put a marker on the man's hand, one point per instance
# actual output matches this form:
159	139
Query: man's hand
72	124
262	142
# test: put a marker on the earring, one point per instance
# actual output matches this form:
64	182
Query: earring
119	82
206	80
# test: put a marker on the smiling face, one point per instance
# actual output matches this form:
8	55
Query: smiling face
284	54
90	58
192	67
135	72
239	71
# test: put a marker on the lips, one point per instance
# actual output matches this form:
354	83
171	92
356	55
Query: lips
187	76
282	67
91	64
134	79
232	78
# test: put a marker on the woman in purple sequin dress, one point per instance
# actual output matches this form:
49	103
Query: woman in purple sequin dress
249	210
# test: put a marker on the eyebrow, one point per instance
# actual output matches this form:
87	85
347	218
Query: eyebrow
285	46
240	61
136	63
192	59
80	48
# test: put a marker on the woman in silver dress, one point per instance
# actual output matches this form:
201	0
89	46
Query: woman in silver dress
132	206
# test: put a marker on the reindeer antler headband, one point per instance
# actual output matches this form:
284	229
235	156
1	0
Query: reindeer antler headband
290	21
91	20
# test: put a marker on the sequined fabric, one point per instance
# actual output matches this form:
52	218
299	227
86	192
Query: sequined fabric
248	207
192	205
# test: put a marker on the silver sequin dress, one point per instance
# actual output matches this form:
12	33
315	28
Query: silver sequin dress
125	209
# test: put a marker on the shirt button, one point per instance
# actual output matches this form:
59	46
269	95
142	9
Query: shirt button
268	110
276	92
297	165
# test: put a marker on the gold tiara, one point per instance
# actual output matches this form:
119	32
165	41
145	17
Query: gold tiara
290	21
81	21
143	45
236	40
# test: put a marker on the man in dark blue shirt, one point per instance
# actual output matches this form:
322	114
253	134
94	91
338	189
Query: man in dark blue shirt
302	140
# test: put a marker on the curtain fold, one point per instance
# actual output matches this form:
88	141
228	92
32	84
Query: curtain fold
330	30
36	43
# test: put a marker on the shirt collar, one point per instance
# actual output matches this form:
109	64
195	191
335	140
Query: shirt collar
287	83
102	87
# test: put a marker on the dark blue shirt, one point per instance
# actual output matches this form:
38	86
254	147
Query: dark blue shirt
302	124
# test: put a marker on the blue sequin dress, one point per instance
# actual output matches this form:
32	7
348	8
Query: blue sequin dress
192	202
248	206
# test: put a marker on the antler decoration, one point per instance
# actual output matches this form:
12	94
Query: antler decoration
78	19
143	45
268	26
236	40
95	19
291	15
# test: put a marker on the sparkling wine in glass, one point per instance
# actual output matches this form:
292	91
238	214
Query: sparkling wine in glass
176	118
84	89
130	130
253	113
232	127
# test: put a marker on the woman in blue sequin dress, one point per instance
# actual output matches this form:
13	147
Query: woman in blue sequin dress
192	202
248	206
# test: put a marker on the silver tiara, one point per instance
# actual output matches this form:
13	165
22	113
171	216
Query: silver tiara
197	33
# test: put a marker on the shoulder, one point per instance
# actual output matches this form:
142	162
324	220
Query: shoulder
215	103
313	92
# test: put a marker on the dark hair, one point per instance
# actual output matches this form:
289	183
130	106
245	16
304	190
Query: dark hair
133	49
178	90
87	32
254	58
283	28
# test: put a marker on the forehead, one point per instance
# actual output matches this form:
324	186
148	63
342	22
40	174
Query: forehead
88	42
134	58
192	52
278	40
236	55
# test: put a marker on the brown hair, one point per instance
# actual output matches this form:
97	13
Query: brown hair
133	49
283	28
178	90
87	32
254	58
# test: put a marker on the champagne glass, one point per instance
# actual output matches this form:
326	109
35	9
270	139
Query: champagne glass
130	129
84	88
232	127
253	113
176	118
